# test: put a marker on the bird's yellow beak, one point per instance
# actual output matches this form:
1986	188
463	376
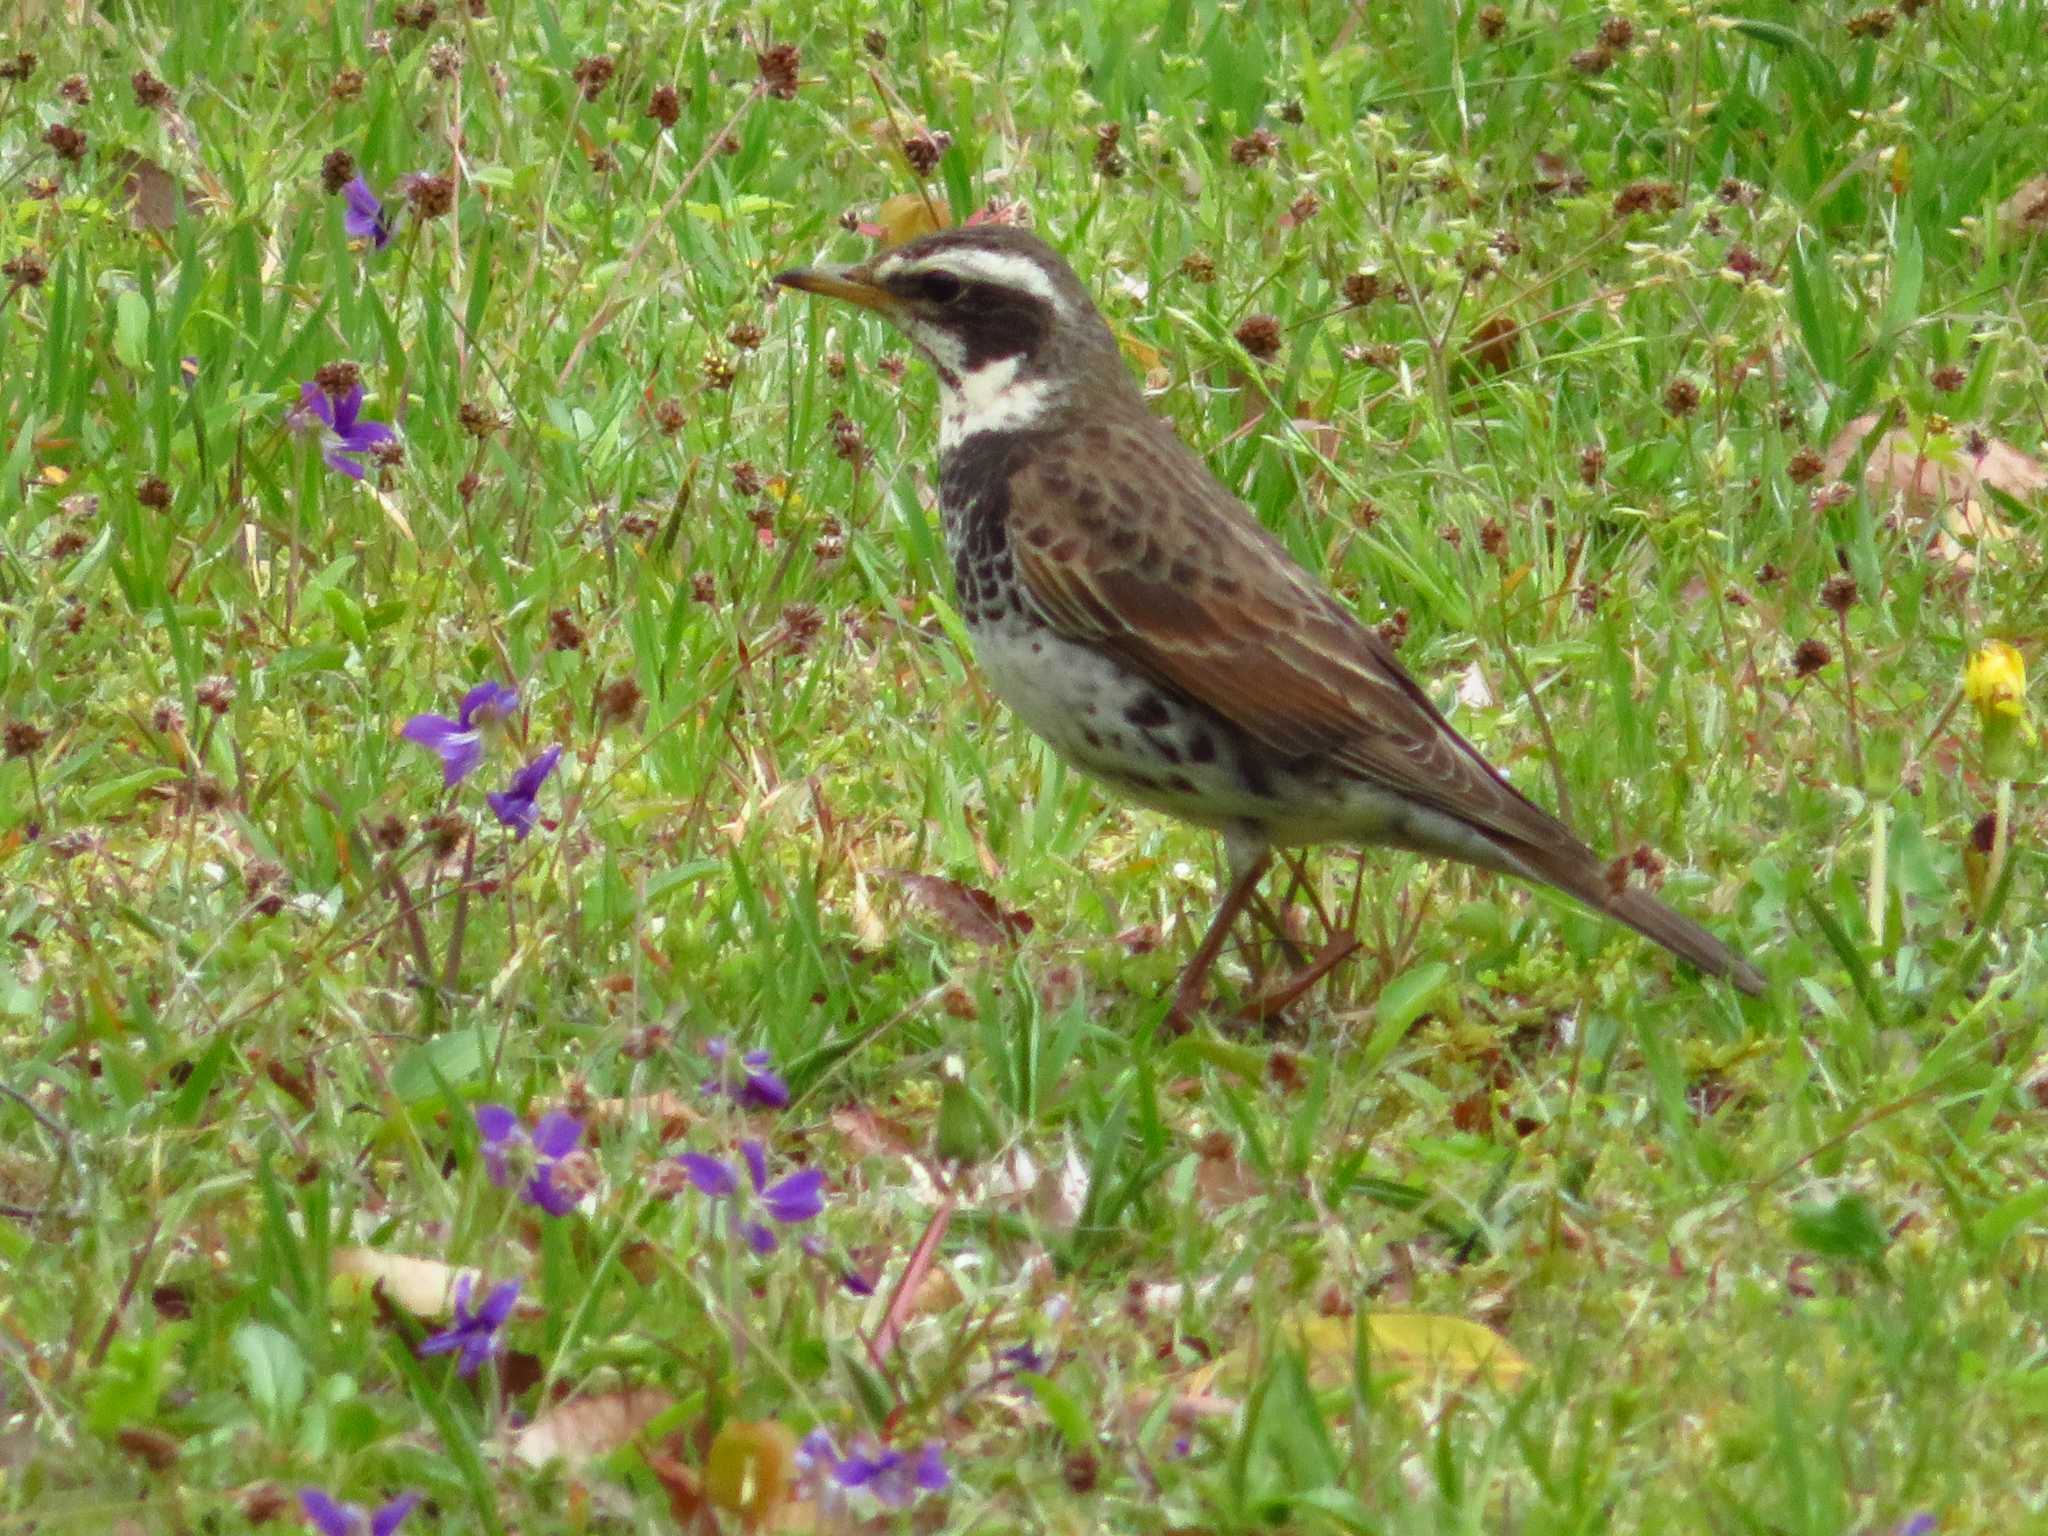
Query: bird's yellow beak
852	284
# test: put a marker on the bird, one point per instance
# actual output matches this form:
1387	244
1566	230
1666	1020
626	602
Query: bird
1134	613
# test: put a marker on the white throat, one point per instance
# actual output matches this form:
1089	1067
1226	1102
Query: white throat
990	398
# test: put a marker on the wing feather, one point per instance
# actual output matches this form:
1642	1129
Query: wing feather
1175	575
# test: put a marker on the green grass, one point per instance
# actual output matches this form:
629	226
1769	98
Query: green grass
1772	1267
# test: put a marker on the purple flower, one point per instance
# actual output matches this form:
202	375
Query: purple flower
554	1137
789	1200
759	1088
895	1478
459	743
514	804
333	1518
1922	1524
345	434
474	1337
365	216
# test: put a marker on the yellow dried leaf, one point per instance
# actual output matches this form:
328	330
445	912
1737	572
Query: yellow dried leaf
750	1468
908	215
423	1287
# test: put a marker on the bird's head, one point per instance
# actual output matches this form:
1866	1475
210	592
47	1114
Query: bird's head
985	302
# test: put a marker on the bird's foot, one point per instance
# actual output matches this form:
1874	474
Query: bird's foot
1271	1003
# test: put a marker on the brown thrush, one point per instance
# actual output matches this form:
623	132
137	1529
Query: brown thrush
1138	617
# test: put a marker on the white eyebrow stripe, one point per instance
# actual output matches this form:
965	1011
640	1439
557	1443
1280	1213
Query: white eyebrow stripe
1004	267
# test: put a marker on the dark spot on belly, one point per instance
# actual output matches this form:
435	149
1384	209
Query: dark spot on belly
1164	748
1148	713
1181	573
1088	734
1087	497
1123	540
1201	748
1181	784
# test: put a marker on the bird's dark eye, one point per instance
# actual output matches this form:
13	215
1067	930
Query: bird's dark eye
941	287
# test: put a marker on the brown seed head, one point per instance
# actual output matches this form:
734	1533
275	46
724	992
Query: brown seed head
1868	26
1949	378
27	270
1743	262
800	625
337	171
443	834
150	92
1643	196
745	335
67	142
564	632
1260	336
444	60
336	380
1592	461
718	373
77	90
1617	32
478	419
388	833
1304	208
1592	61
23	738
430	197
669	415
1811	656
876	42
1984	832
1255	148
746	479
1493	21
618	701
664	105
923	150
347	85
1198	266
216	693
703	588
1803	466
1108	162
1839	592
152	492
1361	288
779	67
593	74
1681	396
416	16
848	442
19	67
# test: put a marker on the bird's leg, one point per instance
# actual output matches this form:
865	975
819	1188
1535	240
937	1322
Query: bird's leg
1247	868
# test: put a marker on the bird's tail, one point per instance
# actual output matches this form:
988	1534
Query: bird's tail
1577	871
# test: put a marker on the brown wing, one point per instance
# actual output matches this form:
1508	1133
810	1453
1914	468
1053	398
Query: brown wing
1129	542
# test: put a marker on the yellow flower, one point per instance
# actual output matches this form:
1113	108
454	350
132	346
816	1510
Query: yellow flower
1995	681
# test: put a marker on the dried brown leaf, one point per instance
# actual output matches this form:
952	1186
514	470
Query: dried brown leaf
965	911
587	1429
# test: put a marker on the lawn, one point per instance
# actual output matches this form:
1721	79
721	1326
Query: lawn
535	975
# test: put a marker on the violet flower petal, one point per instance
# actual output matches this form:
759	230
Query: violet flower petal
709	1175
796	1198
345	409
557	1134
757	1163
460	750
362	436
543	1191
929	1470
487	703
330	1516
759	1238
764	1090
313	400
388	1516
